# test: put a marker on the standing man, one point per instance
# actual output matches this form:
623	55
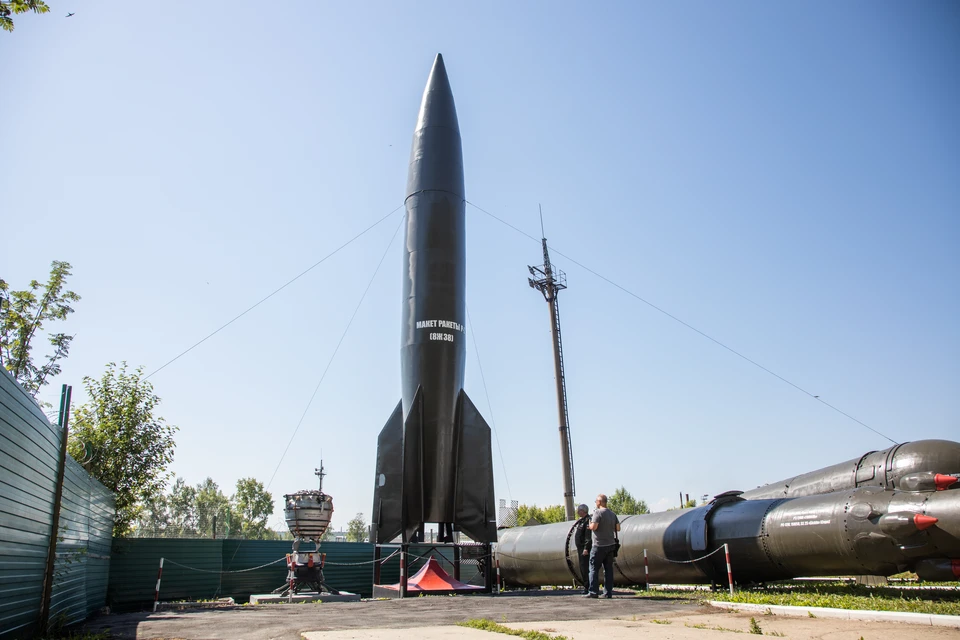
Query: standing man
584	541
604	525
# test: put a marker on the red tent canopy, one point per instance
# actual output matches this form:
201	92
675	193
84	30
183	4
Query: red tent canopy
433	579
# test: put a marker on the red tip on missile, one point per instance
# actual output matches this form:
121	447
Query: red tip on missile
924	522
943	481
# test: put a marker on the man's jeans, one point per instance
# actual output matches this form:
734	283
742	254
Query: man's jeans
585	570
601	556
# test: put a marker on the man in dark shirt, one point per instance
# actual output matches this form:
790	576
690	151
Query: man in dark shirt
584	541
604	525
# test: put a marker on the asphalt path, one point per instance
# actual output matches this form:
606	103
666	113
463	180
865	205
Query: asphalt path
288	621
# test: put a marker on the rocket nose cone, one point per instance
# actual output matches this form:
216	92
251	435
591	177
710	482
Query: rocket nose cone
437	108
924	522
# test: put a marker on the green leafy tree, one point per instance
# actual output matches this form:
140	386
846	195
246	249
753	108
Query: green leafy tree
545	515
129	446
212	508
623	503
182	510
19	6
23	315
253	506
153	517
554	513
357	529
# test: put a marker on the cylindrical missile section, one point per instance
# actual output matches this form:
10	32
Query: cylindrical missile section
864	531
888	469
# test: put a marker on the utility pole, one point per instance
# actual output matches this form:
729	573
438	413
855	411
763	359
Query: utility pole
551	281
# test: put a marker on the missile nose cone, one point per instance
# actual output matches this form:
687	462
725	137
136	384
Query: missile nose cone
924	522
436	157
437	108
943	481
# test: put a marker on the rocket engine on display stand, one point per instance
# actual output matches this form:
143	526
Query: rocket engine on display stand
307	514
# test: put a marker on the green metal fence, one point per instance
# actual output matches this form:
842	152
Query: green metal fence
29	461
209	569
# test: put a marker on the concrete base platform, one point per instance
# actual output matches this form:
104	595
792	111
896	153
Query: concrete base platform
306	596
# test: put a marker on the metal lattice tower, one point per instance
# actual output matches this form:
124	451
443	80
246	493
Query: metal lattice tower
550	281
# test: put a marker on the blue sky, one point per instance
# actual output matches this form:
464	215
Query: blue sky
784	177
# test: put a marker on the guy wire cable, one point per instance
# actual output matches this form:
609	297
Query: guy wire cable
686	324
336	349
330	361
493	422
275	292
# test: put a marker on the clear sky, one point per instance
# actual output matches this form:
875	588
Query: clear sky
783	176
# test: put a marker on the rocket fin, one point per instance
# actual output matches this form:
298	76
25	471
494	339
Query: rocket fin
387	496
476	515
412	516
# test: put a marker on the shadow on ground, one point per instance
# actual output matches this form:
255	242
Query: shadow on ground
288	621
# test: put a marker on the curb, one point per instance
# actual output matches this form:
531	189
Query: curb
927	619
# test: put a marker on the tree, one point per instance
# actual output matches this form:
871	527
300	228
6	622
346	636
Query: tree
182	514
131	447
212	510
253	506
153	518
357	529
19	6
623	503
545	515
22	316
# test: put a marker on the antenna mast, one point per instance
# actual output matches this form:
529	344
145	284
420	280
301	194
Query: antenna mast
551	281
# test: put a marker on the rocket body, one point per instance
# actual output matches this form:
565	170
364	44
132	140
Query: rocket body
434	462
433	346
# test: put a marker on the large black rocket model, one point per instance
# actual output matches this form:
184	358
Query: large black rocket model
434	460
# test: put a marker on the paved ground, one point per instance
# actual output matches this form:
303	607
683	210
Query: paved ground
559	613
703	624
288	622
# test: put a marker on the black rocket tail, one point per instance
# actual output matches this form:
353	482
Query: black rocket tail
398	497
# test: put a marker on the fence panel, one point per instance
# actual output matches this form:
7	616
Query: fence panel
83	547
134	563
29	451
29	458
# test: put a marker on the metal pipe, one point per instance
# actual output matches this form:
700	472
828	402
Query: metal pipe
726	554
156	593
646	570
66	393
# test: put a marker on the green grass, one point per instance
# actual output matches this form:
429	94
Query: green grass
936	601
489	625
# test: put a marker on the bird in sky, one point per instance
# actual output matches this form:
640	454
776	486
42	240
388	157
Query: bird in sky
68	15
